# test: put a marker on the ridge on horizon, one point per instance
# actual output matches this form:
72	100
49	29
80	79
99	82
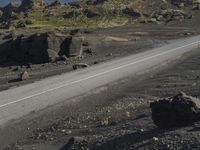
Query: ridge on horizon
5	2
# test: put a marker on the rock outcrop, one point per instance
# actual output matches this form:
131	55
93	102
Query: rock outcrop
28	5
148	11
90	13
168	15
14	11
131	12
55	3
40	48
177	111
8	11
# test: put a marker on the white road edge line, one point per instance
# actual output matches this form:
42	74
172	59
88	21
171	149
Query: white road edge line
96	75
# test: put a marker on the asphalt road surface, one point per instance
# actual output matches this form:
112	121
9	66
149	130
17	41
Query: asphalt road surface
20	101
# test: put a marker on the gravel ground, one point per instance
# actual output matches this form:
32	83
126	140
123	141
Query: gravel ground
116	116
106	44
118	119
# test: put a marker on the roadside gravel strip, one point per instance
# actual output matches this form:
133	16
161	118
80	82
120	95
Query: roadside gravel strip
17	102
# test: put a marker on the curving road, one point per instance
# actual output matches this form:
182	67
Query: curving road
17	102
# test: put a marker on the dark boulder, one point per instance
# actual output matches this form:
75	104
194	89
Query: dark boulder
75	4
55	3
28	21
177	111
131	12
79	66
40	48
90	13
95	2
72	13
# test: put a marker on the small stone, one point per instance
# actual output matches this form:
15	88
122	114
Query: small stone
141	130
110	54
128	114
96	62
80	65
104	121
69	132
63	130
155	139
15	69
24	76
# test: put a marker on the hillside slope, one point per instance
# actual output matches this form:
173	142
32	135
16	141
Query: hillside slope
93	13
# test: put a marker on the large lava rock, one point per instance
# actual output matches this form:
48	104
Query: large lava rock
39	48
131	12
177	111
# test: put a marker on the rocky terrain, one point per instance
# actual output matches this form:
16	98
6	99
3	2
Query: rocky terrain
94	13
18	54
41	47
39	40
18	46
120	118
44	45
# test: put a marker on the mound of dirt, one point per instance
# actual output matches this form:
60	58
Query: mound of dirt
177	111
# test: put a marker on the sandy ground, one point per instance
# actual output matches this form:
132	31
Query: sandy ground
116	116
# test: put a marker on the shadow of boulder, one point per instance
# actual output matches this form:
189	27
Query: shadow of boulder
15	80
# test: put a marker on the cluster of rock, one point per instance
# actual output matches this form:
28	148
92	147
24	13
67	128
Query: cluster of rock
41	47
177	111
8	12
14	11
88	8
183	3
168	15
77	4
26	5
131	12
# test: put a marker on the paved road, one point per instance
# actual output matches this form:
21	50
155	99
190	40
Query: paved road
20	101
